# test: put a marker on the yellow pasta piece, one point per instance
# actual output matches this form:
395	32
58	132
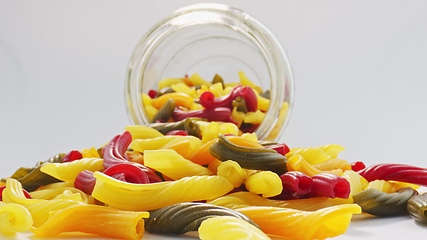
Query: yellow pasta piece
237	116
137	197
266	183
173	165
182	87
296	224
357	182
298	163
197	80
232	171
334	163
254	117
245	81
168	82
263	103
14	218
227	227
316	155
181	99
90	153
151	111
191	144
210	132
283	114
142	132
94	219
68	171
213	165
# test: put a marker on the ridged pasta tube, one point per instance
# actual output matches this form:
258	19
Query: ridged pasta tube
227	227
380	203
14	218
266	183
94	219
185	217
248	157
232	171
138	197
300	225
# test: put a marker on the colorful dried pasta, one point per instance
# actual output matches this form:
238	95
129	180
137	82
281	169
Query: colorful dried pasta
417	207
14	218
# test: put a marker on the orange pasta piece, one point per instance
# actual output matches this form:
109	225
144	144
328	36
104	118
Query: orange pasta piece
181	99
94	219
296	224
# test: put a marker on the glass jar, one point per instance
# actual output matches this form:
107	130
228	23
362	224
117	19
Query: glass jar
210	39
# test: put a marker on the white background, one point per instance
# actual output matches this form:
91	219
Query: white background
359	67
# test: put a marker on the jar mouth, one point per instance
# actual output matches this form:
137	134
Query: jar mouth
211	39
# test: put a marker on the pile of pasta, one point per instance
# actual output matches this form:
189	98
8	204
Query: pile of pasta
232	186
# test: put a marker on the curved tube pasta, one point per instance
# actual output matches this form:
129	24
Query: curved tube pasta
316	155
189	125
247	157
129	196
357	182
296	224
227	227
334	163
295	182
171	164
14	218
266	183
94	219
68	171
185	217
298	163
329	185
165	112
232	171
379	203
417	207
142	132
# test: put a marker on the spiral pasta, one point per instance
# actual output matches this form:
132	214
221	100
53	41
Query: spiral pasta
14	218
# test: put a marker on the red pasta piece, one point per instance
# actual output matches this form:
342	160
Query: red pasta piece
177	133
357	166
85	181
208	100
279	148
72	156
329	185
114	152
396	172
128	172
296	183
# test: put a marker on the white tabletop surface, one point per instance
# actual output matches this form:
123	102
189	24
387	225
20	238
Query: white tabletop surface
359	68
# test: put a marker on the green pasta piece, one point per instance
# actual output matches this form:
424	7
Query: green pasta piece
218	79
250	158
165	112
32	178
417	208
240	103
189	125
185	217
378	203
164	90
265	94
